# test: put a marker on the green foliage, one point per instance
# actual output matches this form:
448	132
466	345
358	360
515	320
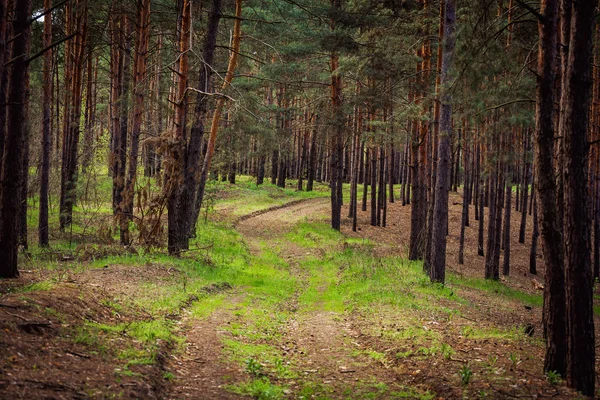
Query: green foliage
253	367
496	287
553	378
515	359
465	374
260	389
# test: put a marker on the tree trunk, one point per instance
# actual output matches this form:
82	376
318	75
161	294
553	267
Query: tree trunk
490	270
274	165
507	211
366	175
235	45
178	238
140	63
16	125
465	214
554	293
76	15
442	185
373	180
381	185
575	105
189	208
22	228
119	173
534	239
312	158
46	129
4	55
480	231
337	148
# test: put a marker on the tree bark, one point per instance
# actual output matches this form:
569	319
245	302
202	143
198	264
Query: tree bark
442	186
337	146
465	214
534	239
578	269
46	130
235	45
140	63
16	125
76	14
191	175
506	233
554	293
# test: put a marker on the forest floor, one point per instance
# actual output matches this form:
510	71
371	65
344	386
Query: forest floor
270	303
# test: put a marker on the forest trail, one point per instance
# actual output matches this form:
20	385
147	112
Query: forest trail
274	305
320	346
200	369
320	343
272	223
325	350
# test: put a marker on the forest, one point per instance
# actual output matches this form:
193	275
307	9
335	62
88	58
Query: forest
299	199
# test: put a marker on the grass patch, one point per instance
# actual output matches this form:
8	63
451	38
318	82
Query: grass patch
496	287
36	287
477	333
314	234
261	389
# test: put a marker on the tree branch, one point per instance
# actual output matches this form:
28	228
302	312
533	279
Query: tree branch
532	10
48	11
41	52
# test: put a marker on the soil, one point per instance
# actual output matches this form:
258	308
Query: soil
39	358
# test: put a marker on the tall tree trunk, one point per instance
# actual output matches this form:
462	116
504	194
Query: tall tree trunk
4	56
575	105
373	180
178	237
22	224
119	175
442	186
381	184
76	14
189	209
16	130
89	112
506	240
337	148
312	158
465	214
235	45
554	293
46	130
140	63
480	230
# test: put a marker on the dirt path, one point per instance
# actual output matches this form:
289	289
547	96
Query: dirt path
200	371
321	344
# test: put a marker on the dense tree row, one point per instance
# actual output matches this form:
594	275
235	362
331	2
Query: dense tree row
408	100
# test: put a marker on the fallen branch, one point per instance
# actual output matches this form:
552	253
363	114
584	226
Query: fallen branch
77	354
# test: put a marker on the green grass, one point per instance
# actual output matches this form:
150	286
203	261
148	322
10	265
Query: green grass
261	389
475	333
245	197
496	287
36	287
313	235
257	289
